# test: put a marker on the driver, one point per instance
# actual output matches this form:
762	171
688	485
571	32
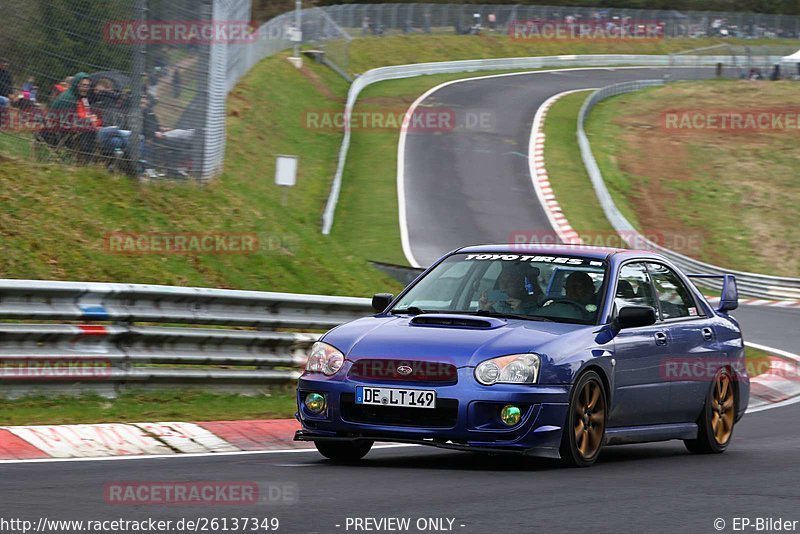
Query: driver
522	292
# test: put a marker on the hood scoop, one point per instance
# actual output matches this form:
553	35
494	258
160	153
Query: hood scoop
456	321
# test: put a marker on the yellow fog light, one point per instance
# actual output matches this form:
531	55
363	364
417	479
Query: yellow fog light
315	403
510	415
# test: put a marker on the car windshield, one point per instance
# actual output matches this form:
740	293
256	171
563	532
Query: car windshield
566	288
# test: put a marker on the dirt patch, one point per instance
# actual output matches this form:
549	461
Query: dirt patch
732	190
318	84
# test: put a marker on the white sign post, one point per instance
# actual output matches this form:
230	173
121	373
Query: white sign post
286	174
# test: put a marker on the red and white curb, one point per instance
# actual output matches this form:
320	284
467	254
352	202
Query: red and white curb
790	304
147	439
540	179
779	385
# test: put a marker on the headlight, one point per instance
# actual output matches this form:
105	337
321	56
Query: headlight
513	369
324	359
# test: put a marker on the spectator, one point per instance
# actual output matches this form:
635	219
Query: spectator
776	73
151	130
29	89
6	84
177	86
60	87
77	118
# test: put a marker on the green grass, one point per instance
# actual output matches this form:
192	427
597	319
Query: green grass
725	198
371	52
140	406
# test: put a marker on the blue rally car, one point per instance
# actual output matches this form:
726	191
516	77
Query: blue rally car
545	350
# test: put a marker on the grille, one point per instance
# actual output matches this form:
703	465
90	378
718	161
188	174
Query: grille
445	415
374	369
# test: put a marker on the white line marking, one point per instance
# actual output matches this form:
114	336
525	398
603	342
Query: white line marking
176	456
777	352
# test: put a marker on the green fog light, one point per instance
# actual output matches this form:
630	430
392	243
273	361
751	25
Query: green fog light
510	415
315	403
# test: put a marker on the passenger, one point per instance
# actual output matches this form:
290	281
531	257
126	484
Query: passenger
580	288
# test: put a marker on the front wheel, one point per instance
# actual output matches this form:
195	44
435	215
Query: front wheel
586	422
344	451
718	417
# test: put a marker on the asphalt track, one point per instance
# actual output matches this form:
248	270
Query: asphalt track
637	488
633	488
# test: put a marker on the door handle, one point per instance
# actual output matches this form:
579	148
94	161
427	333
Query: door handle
661	338
708	334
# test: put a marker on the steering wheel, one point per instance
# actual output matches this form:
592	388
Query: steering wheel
564	300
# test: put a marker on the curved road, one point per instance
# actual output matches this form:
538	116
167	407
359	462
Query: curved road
472	185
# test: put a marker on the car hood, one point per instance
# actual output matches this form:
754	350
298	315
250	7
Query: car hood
397	337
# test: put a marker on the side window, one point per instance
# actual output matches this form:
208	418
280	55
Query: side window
674	297
633	287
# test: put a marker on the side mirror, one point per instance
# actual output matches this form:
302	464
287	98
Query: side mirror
381	301
729	298
633	316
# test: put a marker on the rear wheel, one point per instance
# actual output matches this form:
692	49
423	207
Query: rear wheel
344	451
586	422
717	420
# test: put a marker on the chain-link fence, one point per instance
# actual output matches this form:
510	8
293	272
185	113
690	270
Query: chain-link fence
139	86
116	83
382	19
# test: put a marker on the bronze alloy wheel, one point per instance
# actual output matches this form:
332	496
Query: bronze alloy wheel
715	425
722	409
585	426
590	419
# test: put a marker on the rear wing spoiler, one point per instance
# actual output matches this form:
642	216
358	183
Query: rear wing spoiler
729	296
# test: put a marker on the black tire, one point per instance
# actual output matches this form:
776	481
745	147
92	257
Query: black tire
586	420
715	426
344	451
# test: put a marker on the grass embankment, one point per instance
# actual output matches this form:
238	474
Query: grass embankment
724	196
179	405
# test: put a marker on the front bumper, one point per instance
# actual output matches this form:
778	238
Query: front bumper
467	415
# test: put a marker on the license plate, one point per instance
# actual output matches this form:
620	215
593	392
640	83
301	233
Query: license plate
408	398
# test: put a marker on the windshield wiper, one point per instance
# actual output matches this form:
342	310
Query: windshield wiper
490	313
411	310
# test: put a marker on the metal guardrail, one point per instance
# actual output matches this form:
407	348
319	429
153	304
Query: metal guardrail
156	336
752	284
520	63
